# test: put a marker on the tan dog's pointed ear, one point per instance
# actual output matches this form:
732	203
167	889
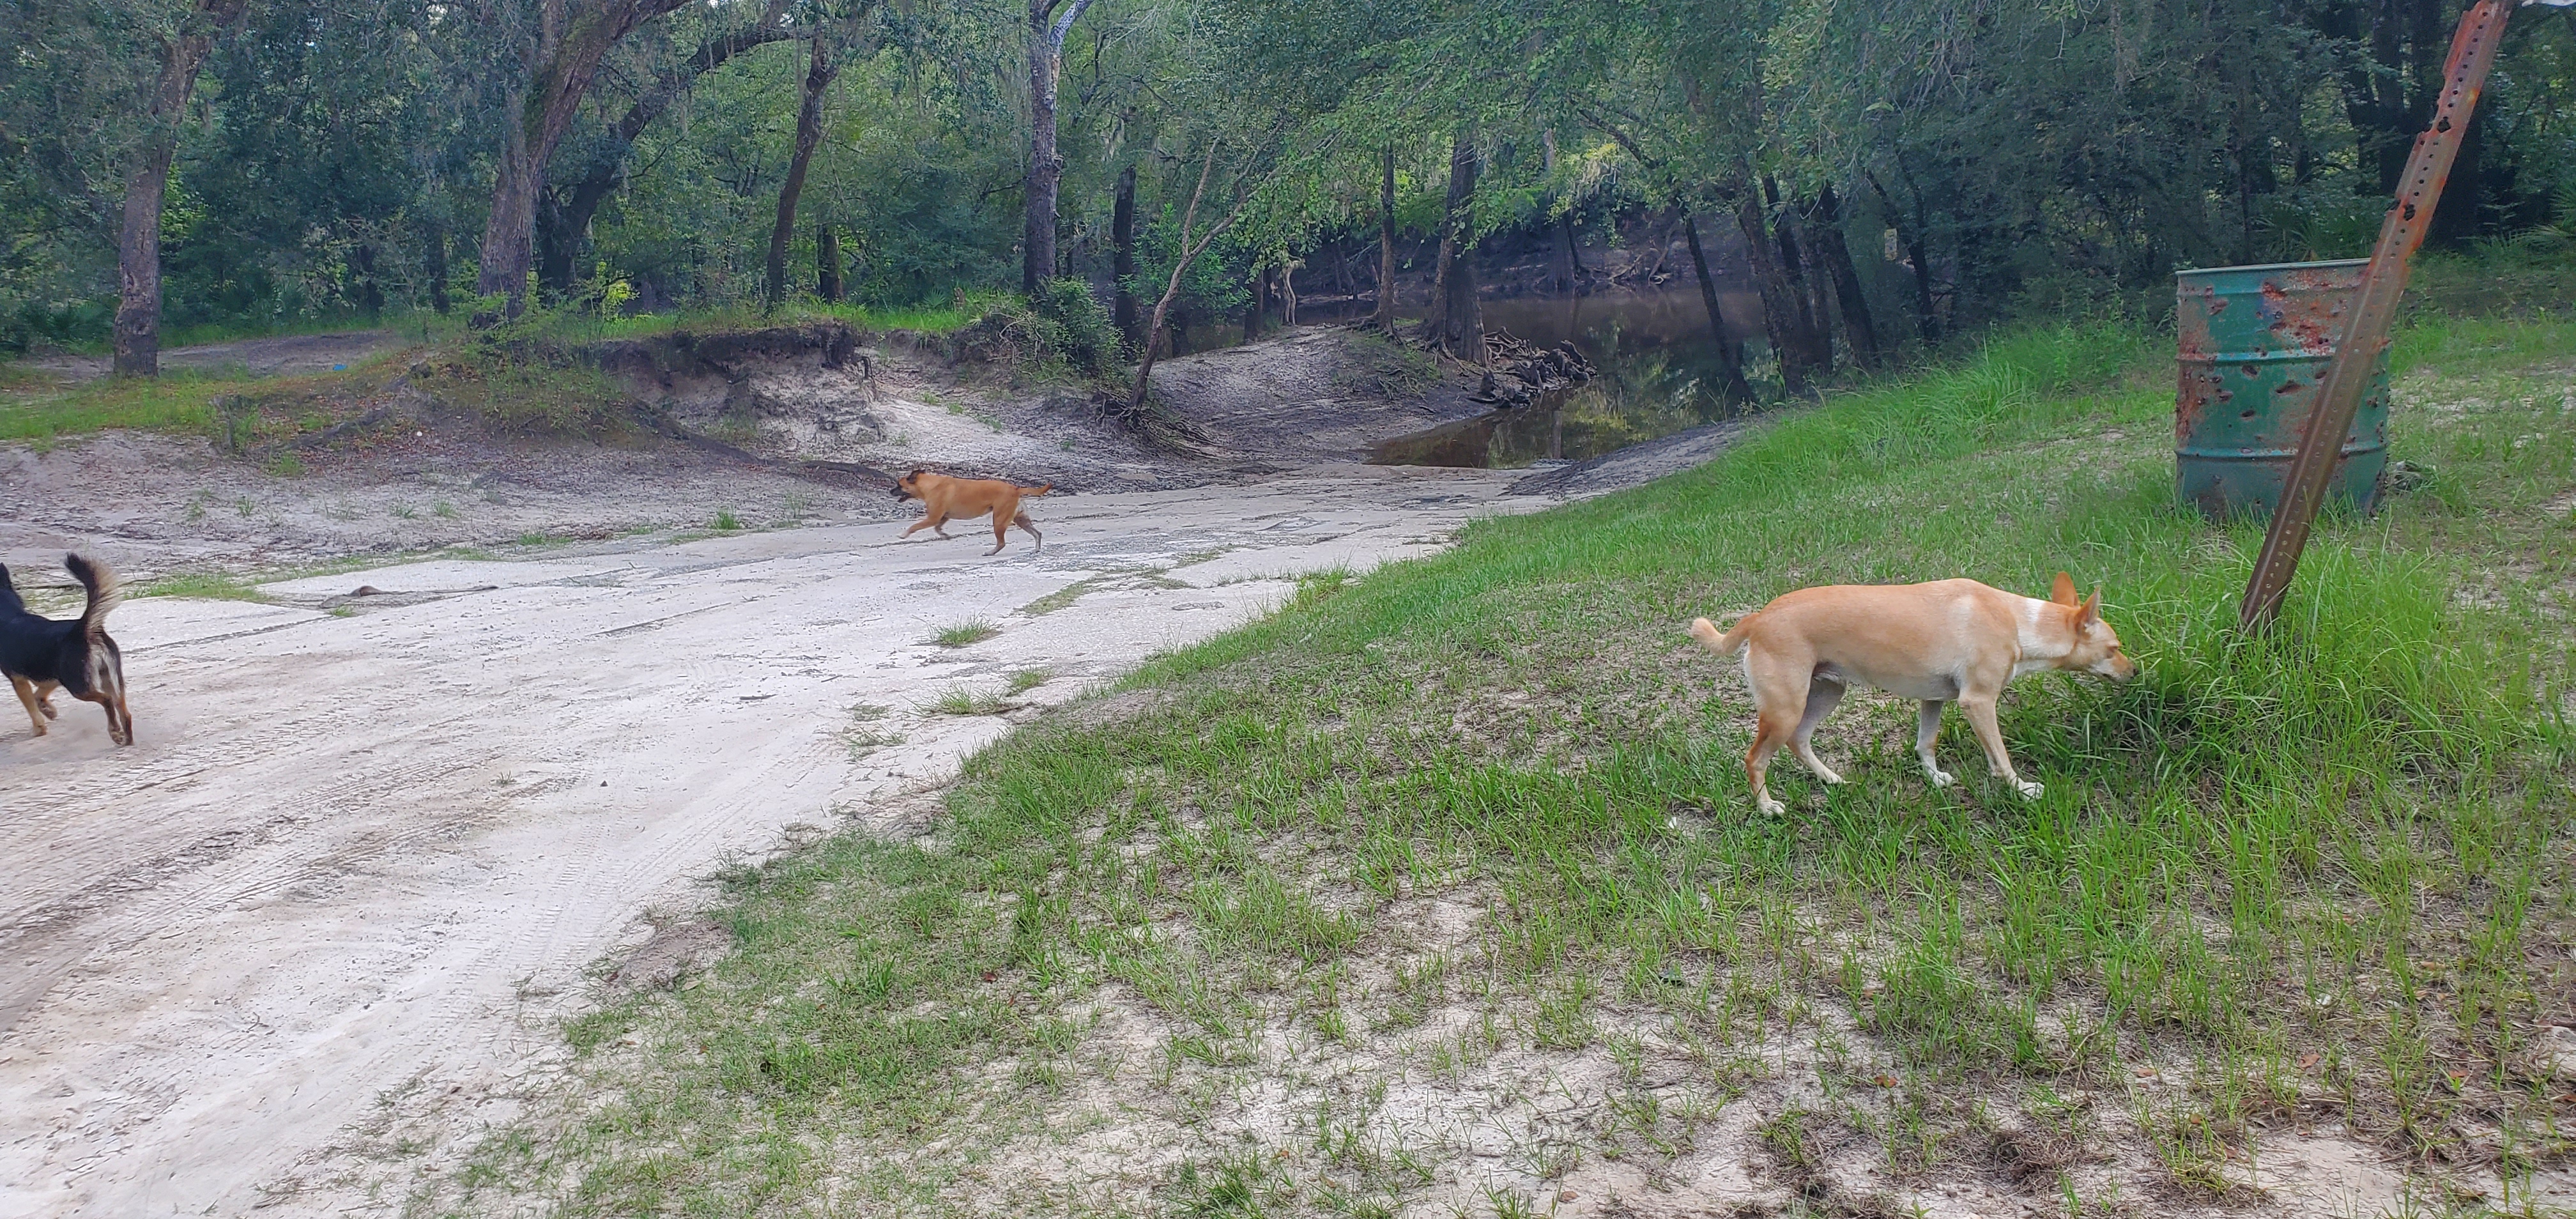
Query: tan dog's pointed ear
2091	610
2063	590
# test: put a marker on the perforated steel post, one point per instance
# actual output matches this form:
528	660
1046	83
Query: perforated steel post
2464	74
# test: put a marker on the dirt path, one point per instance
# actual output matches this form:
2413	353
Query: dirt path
287	354
355	856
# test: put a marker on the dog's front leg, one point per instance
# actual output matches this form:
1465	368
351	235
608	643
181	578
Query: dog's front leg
1980	710
1926	731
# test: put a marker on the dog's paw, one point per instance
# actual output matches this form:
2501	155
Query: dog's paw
1940	778
2028	789
1772	808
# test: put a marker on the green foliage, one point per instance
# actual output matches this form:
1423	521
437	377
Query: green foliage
1080	331
2042	156
530	385
1062	326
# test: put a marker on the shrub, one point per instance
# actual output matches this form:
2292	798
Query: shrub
1086	338
1061	325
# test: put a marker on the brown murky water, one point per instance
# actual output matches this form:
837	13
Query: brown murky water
1654	355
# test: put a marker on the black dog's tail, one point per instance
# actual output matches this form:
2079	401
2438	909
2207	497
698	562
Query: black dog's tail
104	594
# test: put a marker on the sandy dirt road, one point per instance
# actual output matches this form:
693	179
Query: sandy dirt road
357	852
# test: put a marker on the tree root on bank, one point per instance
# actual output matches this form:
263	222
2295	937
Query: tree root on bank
1155	427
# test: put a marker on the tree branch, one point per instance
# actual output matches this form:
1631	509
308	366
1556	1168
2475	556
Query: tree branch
1064	24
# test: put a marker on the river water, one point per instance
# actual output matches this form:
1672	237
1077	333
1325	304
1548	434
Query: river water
1657	368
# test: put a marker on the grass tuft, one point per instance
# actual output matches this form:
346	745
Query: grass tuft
1025	680
964	700
966	633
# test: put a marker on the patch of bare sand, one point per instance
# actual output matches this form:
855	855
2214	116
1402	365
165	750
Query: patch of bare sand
372	857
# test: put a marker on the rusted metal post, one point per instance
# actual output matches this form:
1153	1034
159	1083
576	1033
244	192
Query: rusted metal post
2365	334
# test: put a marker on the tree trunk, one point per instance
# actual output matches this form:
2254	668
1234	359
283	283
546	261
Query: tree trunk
1857	329
1569	261
368	289
1805	319
809	135
1046	167
1912	241
438	269
1122	257
1288	293
827	262
570	44
502	263
1457	323
137	337
1778	314
567	223
1386	286
1820	292
2240	151
1259	305
1190	250
1730	358
558	239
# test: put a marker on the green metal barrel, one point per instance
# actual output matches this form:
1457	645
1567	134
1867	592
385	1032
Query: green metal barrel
2255	343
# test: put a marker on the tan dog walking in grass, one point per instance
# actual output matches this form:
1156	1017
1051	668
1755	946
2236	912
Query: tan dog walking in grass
944	499
1946	641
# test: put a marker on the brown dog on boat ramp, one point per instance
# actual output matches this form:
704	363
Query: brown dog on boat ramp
944	499
1946	641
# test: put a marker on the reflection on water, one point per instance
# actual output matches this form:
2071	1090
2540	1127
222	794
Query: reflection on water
1656	366
1637	319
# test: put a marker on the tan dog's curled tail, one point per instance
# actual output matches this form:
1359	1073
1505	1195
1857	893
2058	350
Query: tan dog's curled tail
1040	489
1727	644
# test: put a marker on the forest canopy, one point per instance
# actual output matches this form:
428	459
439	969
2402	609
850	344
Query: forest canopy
350	159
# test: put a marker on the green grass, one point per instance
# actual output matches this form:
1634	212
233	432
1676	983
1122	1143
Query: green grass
2318	877
178	402
928	319
864	735
965	700
256	409
425	326
1060	598
1025	680
726	521
204	586
967	633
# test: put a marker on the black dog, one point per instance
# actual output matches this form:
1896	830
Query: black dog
39	654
